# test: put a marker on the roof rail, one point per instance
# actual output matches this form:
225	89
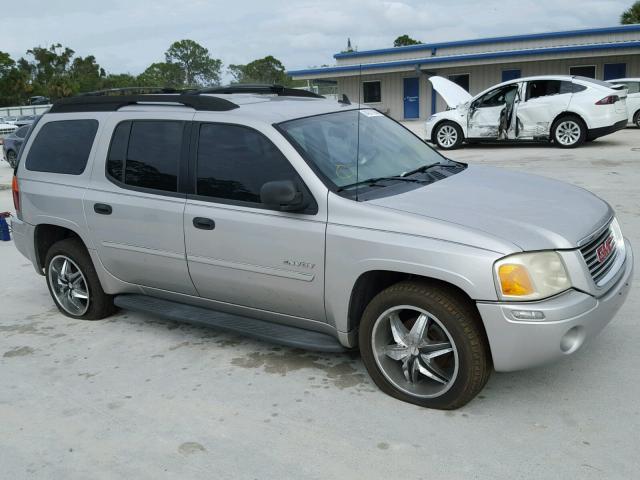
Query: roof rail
112	103
266	89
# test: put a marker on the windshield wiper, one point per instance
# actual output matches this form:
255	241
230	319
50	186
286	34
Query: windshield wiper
421	169
373	182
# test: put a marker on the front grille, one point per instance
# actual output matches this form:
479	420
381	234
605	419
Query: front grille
589	252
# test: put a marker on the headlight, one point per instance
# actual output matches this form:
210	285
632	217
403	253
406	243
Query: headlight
617	236
531	276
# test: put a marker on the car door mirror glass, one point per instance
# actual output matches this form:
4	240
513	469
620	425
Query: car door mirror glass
283	195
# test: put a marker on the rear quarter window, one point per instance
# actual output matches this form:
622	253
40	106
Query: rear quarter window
62	147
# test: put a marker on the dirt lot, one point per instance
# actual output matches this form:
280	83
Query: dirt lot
134	397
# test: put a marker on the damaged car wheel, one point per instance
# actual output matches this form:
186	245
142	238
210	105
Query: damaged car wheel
423	344
448	135
569	131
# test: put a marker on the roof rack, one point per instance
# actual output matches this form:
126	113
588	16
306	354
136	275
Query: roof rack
110	103
266	89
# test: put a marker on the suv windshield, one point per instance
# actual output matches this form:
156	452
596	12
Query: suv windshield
385	149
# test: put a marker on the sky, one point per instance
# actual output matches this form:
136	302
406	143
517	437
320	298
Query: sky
128	35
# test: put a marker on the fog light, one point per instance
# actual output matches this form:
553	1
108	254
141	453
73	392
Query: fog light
572	340
527	315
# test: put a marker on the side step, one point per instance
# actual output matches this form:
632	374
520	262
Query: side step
249	327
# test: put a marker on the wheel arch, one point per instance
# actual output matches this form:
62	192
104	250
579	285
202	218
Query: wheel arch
445	120
567	113
372	282
45	235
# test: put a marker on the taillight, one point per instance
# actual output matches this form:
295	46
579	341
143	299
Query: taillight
16	194
610	100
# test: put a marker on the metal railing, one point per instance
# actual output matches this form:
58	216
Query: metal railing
23	110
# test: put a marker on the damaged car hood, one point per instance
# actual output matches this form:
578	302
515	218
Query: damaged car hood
532	212
452	93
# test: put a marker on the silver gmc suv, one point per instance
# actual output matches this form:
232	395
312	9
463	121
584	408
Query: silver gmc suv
318	224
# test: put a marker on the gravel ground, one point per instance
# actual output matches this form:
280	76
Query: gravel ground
134	397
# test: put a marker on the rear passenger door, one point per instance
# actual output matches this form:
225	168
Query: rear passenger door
542	102
239	251
133	207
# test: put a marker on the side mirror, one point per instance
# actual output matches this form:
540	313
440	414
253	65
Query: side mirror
283	195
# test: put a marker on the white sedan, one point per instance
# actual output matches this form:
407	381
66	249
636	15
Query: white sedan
567	110
633	97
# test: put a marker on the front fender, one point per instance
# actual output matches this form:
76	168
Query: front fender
353	251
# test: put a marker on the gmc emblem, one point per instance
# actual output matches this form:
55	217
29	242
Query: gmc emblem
604	250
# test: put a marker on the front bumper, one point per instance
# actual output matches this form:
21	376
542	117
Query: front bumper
571	319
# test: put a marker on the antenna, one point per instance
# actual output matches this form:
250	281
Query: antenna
358	127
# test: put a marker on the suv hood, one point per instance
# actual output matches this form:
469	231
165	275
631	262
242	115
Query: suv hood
532	212
452	93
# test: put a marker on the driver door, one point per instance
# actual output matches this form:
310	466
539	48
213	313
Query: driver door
239	251
491	117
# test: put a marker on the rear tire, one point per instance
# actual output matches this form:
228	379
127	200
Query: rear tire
569	131
636	119
73	282
448	135
437	356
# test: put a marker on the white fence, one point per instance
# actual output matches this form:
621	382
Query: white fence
25	110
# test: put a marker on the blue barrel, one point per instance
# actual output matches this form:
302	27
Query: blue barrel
4	230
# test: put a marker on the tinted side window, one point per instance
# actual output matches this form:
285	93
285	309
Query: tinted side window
499	97
234	162
62	147
118	151
146	153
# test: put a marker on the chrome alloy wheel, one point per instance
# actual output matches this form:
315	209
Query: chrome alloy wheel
568	132
447	136
69	286
414	351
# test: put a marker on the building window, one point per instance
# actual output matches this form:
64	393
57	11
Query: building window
588	71
371	92
614	70
511	74
461	79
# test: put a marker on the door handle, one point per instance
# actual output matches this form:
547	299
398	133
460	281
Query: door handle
102	208
204	223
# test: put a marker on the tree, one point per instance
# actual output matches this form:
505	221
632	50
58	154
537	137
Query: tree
48	72
14	82
198	67
86	74
162	74
264	70
119	80
404	40
632	15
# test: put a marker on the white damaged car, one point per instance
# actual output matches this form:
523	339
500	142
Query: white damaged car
567	110
633	97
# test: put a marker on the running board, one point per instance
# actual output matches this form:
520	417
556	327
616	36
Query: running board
249	327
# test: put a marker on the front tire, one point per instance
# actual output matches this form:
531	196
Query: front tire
569	131
636	119
73	282
448	136
423	344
